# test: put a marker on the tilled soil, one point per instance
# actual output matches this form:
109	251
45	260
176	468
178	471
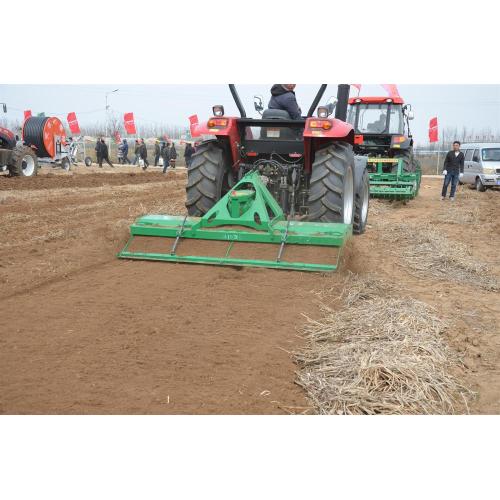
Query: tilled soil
84	332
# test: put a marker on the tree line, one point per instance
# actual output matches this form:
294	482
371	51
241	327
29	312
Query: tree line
463	134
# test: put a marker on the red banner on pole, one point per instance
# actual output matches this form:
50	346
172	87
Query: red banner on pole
357	85
73	123
27	114
128	120
193	124
118	137
391	89
433	130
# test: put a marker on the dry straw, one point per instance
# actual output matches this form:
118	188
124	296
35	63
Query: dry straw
427	252
379	355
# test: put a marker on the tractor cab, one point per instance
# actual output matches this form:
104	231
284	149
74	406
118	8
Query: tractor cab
381	124
382	128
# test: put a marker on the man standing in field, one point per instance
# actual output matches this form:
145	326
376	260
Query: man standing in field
104	154
188	154
98	150
143	153
124	146
453	166
157	152
165	154
136	152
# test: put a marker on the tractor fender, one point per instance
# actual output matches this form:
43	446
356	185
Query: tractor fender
360	163
339	130
7	137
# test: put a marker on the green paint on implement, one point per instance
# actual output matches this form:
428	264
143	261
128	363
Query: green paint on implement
246	214
399	185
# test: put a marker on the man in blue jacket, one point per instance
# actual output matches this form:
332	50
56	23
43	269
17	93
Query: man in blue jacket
283	97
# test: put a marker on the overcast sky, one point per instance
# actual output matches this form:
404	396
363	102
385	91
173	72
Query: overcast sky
475	106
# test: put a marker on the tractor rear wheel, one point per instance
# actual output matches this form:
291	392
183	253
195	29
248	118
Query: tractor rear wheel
23	162
331	192
361	203
205	179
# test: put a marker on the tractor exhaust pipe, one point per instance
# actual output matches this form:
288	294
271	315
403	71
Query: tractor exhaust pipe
342	101
237	100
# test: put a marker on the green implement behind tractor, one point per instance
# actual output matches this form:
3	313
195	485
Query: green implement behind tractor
248	214
395	185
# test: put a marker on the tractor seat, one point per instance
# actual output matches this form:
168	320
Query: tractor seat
278	114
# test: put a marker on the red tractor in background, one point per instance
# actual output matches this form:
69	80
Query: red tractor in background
19	159
308	165
382	125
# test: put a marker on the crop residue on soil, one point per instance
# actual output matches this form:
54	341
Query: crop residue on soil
85	332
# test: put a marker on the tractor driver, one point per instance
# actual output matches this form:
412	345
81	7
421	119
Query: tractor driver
379	125
283	97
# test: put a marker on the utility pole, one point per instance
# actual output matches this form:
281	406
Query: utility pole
106	114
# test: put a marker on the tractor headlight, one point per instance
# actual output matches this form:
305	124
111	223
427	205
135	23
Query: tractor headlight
322	112
218	110
488	170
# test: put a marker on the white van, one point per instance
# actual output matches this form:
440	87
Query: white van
482	164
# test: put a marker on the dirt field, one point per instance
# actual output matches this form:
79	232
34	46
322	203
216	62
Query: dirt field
84	332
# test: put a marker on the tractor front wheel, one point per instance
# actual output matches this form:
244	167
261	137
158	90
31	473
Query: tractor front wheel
23	162
409	164
331	192
205	179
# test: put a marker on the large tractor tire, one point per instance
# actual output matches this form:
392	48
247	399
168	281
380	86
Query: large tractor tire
409	164
361	203
205	179
23	162
331	192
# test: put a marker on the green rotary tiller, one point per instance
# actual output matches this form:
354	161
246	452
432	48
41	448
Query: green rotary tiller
394	185
246	227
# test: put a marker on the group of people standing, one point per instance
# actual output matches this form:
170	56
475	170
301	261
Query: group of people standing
167	153
163	149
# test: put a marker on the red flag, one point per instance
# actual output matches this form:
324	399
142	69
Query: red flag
118	137
391	89
73	123
433	130
27	114
128	119
357	85
193	125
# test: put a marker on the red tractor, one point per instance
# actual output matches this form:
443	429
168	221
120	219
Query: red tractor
382	125
18	158
308	164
